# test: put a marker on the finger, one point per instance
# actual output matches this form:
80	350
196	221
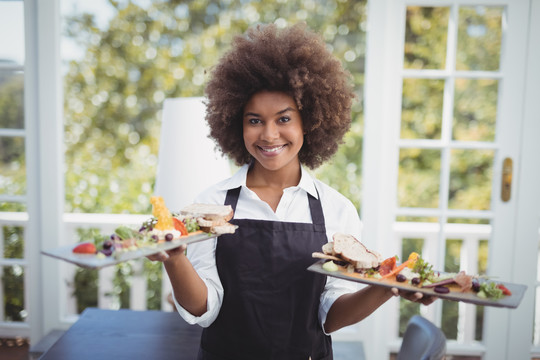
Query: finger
161	256
418	296
395	291
427	300
181	249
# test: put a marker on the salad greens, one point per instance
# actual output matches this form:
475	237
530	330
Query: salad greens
490	290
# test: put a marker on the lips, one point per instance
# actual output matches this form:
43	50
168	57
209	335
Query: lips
271	149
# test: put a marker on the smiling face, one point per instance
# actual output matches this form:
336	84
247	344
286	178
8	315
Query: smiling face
273	131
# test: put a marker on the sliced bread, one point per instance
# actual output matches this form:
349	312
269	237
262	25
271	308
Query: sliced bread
209	212
352	250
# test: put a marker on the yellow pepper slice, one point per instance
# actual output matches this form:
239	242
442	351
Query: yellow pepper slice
412	259
163	215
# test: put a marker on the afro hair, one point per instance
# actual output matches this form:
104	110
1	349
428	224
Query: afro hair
293	60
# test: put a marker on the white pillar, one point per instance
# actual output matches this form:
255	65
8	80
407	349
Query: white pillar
44	146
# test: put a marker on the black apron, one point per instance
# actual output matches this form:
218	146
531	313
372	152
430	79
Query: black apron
271	303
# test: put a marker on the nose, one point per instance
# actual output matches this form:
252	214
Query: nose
270	131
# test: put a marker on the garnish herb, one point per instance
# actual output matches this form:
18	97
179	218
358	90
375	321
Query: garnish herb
423	268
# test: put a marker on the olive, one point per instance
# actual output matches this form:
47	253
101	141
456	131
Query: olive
415	281
168	237
107	252
107	244
441	289
400	278
475	285
155	238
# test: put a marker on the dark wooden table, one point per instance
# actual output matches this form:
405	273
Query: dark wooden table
126	334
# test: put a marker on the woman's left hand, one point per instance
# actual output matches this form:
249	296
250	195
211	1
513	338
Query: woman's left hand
414	296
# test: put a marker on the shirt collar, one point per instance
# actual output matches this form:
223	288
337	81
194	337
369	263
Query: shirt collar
307	182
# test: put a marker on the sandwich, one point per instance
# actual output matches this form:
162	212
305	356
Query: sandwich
346	248
210	217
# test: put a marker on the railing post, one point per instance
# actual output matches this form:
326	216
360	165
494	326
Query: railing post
166	289
105	289
137	294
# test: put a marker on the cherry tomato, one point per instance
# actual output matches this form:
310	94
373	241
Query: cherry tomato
179	226
504	289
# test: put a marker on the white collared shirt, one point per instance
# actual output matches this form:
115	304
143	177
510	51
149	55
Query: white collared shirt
340	215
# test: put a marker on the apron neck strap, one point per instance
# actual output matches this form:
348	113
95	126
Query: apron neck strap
232	197
315	207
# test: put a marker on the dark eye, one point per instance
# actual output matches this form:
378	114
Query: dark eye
284	119
254	121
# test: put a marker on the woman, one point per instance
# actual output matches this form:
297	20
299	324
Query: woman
278	101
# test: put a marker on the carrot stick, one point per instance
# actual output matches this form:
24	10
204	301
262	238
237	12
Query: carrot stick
397	269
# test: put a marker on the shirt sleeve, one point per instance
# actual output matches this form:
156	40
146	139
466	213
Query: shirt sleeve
333	290
202	257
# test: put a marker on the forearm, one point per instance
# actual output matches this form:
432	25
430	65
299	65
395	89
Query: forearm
189	289
351	308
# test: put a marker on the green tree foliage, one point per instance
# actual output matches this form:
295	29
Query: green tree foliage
13	276
12	161
114	95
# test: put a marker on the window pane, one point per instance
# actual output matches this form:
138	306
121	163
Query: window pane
482	270
482	221
422	103
420	219
11	32
418	179
13	245
483	251
536	334
11	99
470	179
425	37
12	166
475	109
13	206
13	287
450	309
407	309
479	38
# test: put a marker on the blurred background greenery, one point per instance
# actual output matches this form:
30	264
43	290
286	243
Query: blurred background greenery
148	51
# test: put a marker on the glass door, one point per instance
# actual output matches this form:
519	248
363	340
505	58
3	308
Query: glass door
448	151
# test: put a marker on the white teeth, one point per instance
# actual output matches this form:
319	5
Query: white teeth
272	149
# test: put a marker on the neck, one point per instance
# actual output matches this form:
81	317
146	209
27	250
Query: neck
283	178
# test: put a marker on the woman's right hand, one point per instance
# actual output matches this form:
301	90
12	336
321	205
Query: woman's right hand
165	256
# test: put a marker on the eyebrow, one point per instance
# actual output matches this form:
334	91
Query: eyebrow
278	113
